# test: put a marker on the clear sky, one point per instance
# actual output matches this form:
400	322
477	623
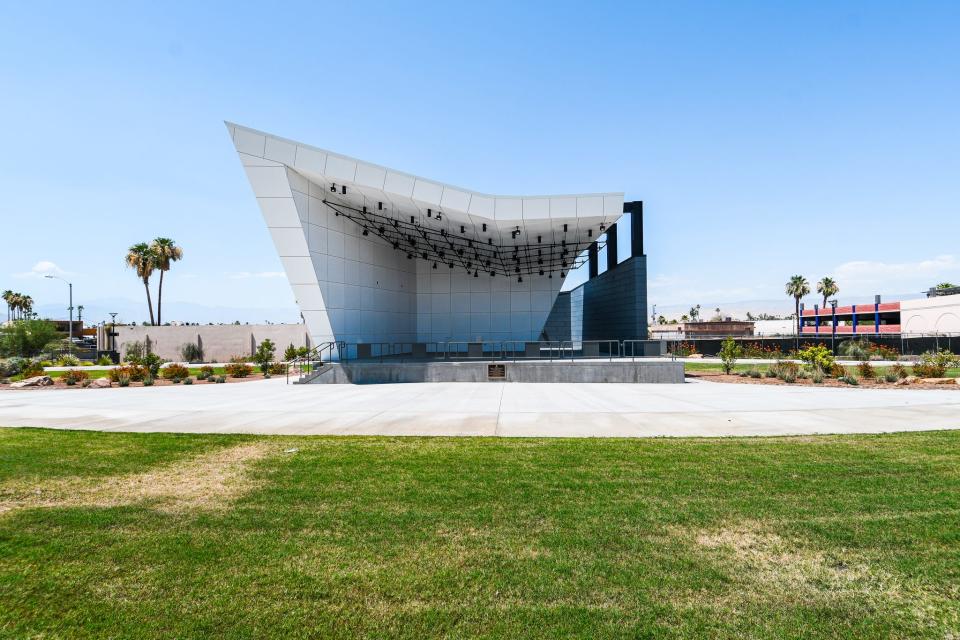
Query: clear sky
765	138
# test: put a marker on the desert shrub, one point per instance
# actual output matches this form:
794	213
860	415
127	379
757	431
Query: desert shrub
866	370
104	361
899	370
934	364
264	355
15	366
188	381
788	376
151	362
85	383
818	357
73	376
729	352
754	372
885	352
133	372
890	376
857	349
191	352
205	372
837	370
772	372
123	379
683	349
803	374
817	376
68	360
175	372
786	370
290	353
852	381
760	350
32	370
238	368
277	368
134	352
148	381
221	379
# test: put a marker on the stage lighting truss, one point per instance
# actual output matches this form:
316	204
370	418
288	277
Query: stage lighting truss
470	252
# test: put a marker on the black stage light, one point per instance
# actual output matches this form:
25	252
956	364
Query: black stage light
589	233
519	278
434	265
462	229
484	226
429	213
365	232
333	188
379	206
603	228
539	238
364	208
489	240
450	265
411	219
492	273
409	256
562	274
564	227
541	271
476	275
381	229
551	275
343	189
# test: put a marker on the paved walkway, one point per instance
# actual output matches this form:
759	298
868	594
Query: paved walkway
488	409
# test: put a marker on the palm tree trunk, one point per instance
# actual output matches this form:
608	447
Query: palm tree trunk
797	303
149	301
160	298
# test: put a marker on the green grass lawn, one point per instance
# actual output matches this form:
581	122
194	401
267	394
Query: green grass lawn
161	536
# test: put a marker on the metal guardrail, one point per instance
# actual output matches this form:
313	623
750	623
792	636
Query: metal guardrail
303	366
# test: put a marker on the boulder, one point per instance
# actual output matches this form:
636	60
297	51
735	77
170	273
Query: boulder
907	380
938	380
37	381
100	383
695	355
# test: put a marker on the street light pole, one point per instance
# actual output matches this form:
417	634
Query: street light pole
70	285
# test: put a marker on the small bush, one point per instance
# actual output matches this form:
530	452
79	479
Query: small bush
175	373
849	380
788	376
818	357
802	374
754	373
866	370
191	352
32	370
238	368
68	361
133	372
104	361
85	383
134	352
73	376
837	371
856	349
772	372
934	364
278	368
890	376
123	379
188	381
264	355
899	370
221	379
148	381
205	372
817	376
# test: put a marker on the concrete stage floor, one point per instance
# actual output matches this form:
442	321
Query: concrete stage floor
486	409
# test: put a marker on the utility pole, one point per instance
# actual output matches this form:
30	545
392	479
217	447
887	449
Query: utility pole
70	285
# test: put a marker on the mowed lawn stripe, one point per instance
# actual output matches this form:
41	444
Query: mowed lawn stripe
828	536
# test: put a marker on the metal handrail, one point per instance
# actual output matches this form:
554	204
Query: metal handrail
305	364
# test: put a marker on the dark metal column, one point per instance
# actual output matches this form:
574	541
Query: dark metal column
635	209
592	259
611	247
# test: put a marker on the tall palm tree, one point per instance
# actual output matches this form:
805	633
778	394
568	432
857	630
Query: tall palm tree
827	287
798	287
142	259
8	298
166	252
26	305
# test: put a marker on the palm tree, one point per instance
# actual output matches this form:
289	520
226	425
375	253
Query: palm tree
166	252
827	287
26	305
141	258
798	287
8	298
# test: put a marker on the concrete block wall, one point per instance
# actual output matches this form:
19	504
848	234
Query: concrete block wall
219	342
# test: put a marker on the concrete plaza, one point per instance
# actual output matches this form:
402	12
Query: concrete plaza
487	409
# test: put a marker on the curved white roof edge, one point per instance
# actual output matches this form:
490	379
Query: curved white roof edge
324	166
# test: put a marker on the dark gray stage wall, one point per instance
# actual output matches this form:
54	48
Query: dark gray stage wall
610	306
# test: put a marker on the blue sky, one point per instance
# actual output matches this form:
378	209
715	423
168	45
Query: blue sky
766	139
